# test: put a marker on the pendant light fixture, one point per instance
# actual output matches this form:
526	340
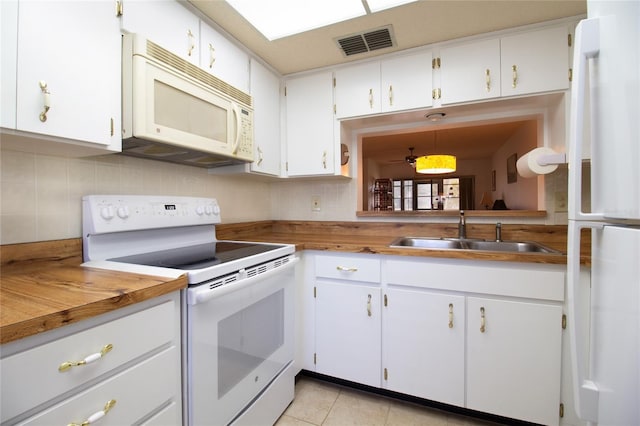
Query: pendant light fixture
436	163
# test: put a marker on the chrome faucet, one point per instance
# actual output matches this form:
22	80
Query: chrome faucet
498	232
462	226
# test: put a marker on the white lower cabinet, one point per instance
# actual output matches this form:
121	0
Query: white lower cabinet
514	358
423	344
132	373
486	336
348	318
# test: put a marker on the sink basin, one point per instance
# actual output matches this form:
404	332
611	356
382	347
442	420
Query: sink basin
470	244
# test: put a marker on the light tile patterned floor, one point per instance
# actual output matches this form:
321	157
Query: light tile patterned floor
320	403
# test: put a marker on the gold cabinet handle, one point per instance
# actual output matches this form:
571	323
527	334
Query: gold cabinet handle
66	366
450	315
369	305
212	55
97	415
260	157
371	98
488	78
390	95
324	159
346	269
192	42
514	72
482	320
45	99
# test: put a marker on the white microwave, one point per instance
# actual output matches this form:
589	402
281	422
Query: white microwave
174	111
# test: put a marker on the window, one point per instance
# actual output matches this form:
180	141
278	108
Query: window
434	194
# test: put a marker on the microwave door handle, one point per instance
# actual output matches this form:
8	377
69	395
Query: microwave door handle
236	113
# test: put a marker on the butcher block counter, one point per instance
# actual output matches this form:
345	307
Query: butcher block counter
43	287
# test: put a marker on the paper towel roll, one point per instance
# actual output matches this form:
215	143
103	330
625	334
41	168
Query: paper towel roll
528	165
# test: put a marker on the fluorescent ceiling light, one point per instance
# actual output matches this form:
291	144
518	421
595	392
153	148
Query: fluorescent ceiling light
280	18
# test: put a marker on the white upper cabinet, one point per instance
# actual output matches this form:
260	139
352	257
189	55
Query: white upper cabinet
470	71
265	90
68	71
222	58
9	46
166	23
535	61
358	90
406	82
310	125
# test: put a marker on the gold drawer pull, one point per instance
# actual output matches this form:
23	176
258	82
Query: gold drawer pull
46	100
346	269
96	416
66	366
514	70
450	315
482	320
488	79
369	305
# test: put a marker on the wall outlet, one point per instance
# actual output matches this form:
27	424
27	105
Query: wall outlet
315	203
560	201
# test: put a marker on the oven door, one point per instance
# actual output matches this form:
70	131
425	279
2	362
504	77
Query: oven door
239	338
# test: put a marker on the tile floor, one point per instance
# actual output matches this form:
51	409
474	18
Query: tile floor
320	403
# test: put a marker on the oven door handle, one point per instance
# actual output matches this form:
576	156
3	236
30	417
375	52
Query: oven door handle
203	293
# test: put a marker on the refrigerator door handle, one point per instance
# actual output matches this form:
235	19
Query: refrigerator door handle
587	46
585	391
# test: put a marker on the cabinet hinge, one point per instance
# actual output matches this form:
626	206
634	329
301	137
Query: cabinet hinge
569	39
561	410
435	63
314	292
386	374
118	8
564	322
570	74
385	300
435	94
314	358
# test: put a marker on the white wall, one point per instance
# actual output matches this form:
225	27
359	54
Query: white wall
41	195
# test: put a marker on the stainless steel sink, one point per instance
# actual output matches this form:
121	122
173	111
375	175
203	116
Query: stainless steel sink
470	244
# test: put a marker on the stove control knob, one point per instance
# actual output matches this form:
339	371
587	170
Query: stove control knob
208	210
216	210
199	210
107	212
123	212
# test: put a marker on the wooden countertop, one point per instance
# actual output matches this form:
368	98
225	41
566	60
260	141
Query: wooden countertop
40	291
43	286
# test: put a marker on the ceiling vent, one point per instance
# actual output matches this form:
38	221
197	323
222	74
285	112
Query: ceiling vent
354	44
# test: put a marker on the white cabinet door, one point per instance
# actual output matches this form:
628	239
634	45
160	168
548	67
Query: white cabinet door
535	61
358	90
348	327
406	82
222	58
310	125
513	359
166	23
423	344
470	71
8	49
69	56
265	90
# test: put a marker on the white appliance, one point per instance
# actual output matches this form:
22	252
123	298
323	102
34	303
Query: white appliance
174	111
605	336
237	311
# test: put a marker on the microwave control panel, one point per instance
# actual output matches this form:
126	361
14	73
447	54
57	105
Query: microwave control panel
245	144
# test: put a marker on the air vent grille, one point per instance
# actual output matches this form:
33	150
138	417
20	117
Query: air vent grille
369	41
163	55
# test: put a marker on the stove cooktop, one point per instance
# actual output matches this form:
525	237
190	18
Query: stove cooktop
198	256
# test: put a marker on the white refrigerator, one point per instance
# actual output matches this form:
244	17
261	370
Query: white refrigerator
605	99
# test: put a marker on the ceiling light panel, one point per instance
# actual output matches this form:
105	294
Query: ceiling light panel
378	5
280	18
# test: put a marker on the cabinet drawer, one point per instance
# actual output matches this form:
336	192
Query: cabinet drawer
32	377
138	392
351	268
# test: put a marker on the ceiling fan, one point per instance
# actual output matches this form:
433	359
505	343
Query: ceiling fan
409	159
